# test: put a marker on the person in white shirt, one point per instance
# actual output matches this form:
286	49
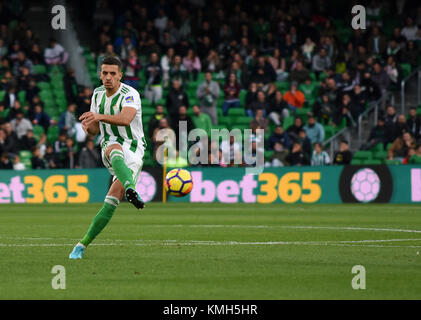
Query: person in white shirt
410	30
55	53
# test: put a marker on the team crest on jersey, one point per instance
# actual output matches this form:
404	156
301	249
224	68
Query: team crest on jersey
129	99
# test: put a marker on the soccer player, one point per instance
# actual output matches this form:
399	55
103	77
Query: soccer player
116	114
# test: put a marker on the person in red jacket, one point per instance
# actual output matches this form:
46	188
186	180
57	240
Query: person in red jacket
294	97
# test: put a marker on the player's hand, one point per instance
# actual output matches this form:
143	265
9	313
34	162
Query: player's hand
88	118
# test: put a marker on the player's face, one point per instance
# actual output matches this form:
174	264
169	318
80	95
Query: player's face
110	76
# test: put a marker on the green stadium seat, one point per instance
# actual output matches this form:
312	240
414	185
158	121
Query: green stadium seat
406	69
362	155
38	131
302	113
378	147
43	85
356	161
268	154
283	85
22	97
243	120
39	69
380	155
329	131
161	101
148	111
372	161
288	122
242	97
52	134
2	94
225	121
236	112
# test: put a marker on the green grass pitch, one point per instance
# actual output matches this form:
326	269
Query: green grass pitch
213	251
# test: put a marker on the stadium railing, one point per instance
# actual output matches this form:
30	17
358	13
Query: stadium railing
332	142
417	72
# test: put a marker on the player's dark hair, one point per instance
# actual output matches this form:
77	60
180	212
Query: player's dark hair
112	61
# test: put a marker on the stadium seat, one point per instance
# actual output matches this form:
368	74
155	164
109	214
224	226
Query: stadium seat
392	162
268	154
242	120
288	121
406	69
329	131
283	85
378	147
380	155
236	112
372	161
148	111
2	94
43	85
356	161
52	134
242	97
38	131
39	69
225	121
362	155
22	97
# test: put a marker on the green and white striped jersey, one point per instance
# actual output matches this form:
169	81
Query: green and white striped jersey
125	96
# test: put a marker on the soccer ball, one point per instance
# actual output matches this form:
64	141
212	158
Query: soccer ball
178	182
365	185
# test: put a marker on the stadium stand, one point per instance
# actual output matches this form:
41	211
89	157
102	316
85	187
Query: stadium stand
319	64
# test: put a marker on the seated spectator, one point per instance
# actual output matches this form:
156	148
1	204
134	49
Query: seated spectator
153	74
401	126
231	153
305	142
278	108
177	70
299	74
259	120
410	54
232	91
67	156
27	142
346	110
163	131
377	135
11	141
67	120
400	147
55	54
154	121
201	120
89	156
279	136
294	97
192	64
208	93
132	66
60	143
343	156
314	130
414	123
308	88
297	157
40	118
51	158
5	163
176	97
392	70
259	103
279	65
20	63
165	65
17	164
176	123
416	157
324	110
319	156
308	50
83	101
21	125
37	161
294	129
321	62
10	97
278	159
212	62
263	72
380	78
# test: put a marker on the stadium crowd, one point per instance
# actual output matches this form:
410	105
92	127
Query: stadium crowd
295	70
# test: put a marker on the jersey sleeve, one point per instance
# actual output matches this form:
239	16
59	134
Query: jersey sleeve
93	103
132	100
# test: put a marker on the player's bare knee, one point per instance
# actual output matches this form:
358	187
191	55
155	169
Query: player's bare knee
111	148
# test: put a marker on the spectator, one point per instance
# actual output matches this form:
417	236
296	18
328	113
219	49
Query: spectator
346	111
343	156
21	125
177	70
40	118
165	65
297	157
232	91
37	161
380	78
89	157
83	101
27	141
231	152
400	147
22	62
132	66
401	125
212	62
192	64
410	54
294	129
55	54
259	103
392	70
410	30
263	72
177	123
414	123
416	157
153	73
321	62
176	97
154	121
68	155
11	141
208	93
319	156
17	164
5	163
294	97
304	141
67	120
164	130
279	136
377	135
201	120
51	158
10	97
278	159
278	108
314	130
259	120
279	65
299	74
376	42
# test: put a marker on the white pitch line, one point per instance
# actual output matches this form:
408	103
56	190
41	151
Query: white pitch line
217	243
